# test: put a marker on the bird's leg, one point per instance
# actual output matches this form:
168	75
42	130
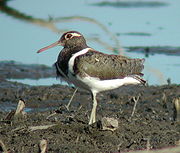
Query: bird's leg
67	106
93	112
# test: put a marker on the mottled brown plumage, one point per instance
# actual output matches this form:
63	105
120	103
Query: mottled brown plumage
104	66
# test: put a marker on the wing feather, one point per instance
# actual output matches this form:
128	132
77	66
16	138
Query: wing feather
104	66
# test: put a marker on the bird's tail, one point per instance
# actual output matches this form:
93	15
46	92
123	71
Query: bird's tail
141	80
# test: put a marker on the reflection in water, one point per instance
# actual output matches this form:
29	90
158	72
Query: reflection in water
167	50
51	25
39	82
134	34
10	106
127	4
158	20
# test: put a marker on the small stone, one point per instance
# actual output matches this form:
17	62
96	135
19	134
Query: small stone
109	123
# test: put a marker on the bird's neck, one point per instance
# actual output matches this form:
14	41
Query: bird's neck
64	56
75	49
67	52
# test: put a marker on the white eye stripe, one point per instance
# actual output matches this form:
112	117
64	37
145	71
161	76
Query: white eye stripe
71	35
75	34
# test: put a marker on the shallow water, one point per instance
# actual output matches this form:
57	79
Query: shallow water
9	106
20	40
39	82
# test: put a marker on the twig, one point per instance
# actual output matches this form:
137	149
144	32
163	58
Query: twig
135	103
148	145
4	149
77	139
67	106
176	102
20	107
43	146
51	115
19	111
41	127
51	23
166	150
19	128
90	20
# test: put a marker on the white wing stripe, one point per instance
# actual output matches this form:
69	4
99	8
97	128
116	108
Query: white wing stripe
71	60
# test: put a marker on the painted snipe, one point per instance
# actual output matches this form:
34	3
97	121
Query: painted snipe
92	70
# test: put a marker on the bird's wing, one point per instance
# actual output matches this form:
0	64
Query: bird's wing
104	66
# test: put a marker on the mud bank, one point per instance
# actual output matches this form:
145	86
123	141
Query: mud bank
16	70
153	122
154	125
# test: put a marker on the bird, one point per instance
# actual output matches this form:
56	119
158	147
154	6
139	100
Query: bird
92	70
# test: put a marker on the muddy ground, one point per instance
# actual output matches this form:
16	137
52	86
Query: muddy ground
154	124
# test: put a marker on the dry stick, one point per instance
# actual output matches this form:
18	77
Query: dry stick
50	23
91	20
40	127
19	128
148	145
74	115
104	44
166	150
3	147
134	108
20	107
77	139
43	146
51	115
77	111
176	102
19	110
67	106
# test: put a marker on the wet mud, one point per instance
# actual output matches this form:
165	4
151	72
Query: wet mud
153	125
16	70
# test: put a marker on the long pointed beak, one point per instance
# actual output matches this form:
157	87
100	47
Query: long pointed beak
50	46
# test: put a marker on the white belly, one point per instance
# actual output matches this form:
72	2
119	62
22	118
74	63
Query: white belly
95	84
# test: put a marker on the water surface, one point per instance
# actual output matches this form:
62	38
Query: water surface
109	27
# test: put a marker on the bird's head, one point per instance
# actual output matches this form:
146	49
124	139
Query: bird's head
69	39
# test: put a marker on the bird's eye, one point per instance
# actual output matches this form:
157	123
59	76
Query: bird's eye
68	36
